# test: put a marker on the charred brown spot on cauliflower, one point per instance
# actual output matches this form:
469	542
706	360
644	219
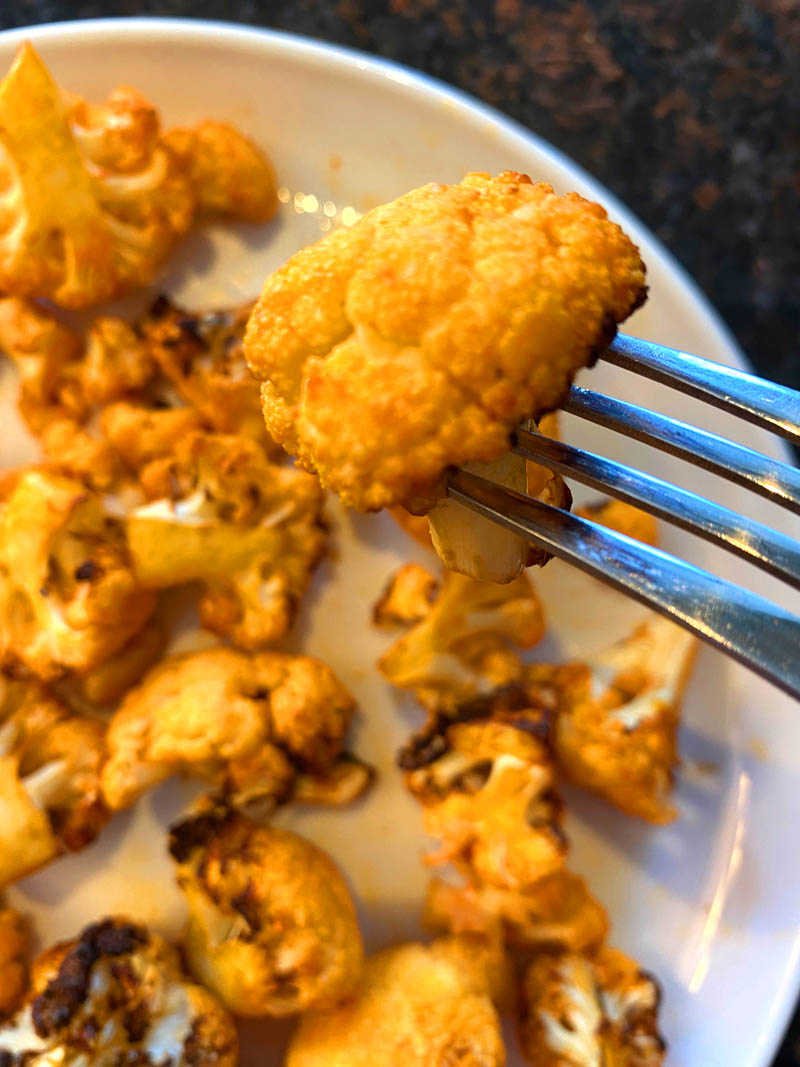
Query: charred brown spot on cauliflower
618	714
94	200
423	1006
488	790
68	596
15	946
557	913
463	645
220	513
202	356
580	1012
229	174
420	337
272	927
50	762
117	994
257	727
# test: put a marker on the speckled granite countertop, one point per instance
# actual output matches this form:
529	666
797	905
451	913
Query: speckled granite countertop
689	110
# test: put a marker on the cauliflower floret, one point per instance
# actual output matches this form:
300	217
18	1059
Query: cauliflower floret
623	518
15	944
50	760
202	355
245	723
139	432
111	679
117	995
461	647
407	598
415	1005
487	787
46	354
229	174
557	913
116	361
617	717
249	530
421	336
93	200
272	927
579	1012
68	597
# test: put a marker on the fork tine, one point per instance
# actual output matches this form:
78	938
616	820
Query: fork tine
775	407
746	626
772	551
770	478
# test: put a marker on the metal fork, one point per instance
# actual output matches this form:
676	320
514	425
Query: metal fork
746	626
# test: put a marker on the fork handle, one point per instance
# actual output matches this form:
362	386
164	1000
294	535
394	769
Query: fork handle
767	404
742	624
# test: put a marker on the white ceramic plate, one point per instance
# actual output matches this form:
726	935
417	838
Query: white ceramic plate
711	903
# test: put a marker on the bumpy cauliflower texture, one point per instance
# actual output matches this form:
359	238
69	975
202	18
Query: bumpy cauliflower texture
249	530
487	788
68	597
272	928
93	201
461	647
50	760
228	173
416	1006
247	724
117	995
421	336
617	718
579	1012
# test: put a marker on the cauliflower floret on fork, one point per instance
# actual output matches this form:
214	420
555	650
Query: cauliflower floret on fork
617	716
488	791
93	200
117	994
50	762
416	1005
461	644
250	531
584	1012
257	727
419	338
272	927
68	596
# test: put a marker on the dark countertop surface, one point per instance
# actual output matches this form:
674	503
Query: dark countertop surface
689	110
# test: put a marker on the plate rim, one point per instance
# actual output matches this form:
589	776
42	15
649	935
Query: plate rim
415	82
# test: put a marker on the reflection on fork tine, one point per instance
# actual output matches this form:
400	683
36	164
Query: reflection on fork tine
742	624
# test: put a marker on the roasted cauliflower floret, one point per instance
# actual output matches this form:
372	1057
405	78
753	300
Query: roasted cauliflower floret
617	718
140	431
557	913
249	530
461	648
50	760
116	361
15	945
415	1005
229	174
487	788
68	597
246	723
93	200
420	337
272	927
202	356
110	680
117	995
407	597
579	1012
46	354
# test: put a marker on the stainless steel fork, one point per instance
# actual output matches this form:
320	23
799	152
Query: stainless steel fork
746	626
